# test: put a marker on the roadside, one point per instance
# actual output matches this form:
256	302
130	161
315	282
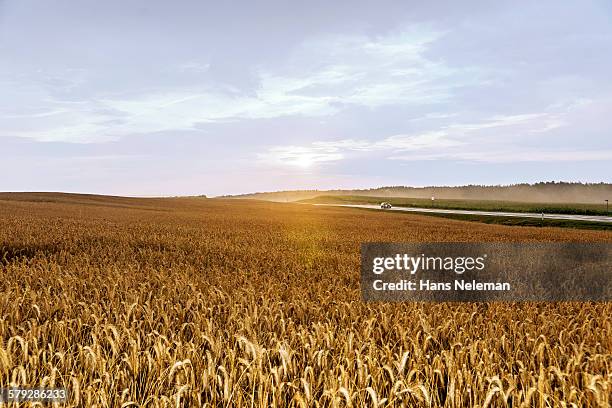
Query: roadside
503	218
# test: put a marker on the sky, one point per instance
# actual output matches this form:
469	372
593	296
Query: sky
146	98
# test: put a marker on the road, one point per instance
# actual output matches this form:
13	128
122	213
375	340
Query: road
572	217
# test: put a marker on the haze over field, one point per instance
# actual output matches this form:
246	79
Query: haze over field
156	98
538	193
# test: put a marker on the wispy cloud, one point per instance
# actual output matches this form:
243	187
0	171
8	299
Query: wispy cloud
319	78
513	156
457	141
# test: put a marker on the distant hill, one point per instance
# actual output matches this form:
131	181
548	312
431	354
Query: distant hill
545	192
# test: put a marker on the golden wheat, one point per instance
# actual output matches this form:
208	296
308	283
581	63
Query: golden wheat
186	302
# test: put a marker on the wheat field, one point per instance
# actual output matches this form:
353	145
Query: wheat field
237	303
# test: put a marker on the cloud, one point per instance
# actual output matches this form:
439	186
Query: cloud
330	151
497	139
513	156
321	77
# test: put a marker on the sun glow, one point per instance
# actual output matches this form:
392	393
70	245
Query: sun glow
304	161
300	156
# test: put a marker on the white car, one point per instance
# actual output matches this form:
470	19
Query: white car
385	205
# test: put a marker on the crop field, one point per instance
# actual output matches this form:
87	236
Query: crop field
243	303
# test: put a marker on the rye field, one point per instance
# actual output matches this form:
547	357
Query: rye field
239	303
